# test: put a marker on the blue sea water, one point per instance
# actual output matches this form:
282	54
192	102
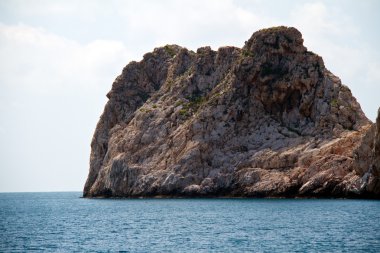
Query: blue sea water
65	222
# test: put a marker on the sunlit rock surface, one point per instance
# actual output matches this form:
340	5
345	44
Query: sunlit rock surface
265	120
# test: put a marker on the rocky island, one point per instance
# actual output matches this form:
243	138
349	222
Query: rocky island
265	120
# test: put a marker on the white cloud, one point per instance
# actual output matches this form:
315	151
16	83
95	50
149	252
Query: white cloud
52	93
189	23
35	59
315	18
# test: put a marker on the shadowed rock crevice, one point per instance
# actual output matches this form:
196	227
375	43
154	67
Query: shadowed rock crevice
266	120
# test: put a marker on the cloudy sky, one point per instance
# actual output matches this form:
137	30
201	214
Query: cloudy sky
58	59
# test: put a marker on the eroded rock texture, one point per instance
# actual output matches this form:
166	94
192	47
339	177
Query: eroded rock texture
267	120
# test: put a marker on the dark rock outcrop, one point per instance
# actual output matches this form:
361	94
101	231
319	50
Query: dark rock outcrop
267	120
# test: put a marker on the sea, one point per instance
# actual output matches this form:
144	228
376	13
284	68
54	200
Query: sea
65	222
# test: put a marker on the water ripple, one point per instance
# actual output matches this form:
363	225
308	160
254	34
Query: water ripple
65	222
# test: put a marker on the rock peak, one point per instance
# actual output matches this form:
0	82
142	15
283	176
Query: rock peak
278	39
267	120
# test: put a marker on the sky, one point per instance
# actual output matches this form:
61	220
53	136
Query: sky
58	60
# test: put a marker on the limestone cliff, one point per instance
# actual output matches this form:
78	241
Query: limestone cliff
266	120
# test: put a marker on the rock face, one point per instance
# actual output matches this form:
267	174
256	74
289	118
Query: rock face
367	159
267	120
